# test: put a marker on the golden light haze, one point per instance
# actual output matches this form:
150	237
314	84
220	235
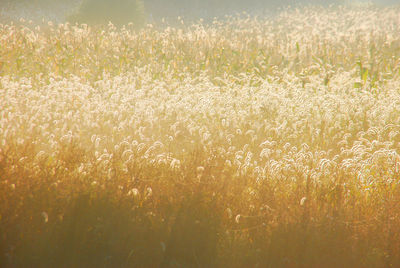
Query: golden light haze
246	142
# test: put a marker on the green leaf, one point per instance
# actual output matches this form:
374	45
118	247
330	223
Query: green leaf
365	75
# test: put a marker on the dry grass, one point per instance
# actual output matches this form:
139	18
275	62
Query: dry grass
245	143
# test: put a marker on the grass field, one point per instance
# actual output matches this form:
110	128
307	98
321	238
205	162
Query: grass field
248	142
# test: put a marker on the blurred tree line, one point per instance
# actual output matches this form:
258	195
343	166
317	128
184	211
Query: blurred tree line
154	10
140	11
208	9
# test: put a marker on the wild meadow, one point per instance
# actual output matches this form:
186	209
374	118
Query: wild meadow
243	142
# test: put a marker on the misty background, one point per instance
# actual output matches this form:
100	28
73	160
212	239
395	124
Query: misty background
149	11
